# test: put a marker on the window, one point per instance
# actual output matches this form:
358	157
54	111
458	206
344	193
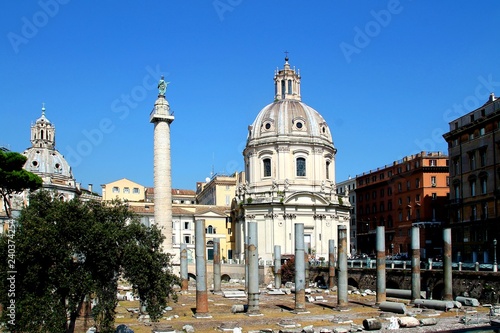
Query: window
328	170
456	166
417	198
389	173
389	205
381	192
457	191
267	167
473	213
186	225
290	87
483	185
135	190
482	131
389	191
210	230
400	201
301	167
472	188
126	190
432	162
374	194
408	186
408	200
400	187
484	211
116	189
433	181
382	207
434	196
228	199
472	160
482	157
187	239
417	183
408	167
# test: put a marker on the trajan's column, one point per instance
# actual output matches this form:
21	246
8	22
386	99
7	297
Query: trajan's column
161	118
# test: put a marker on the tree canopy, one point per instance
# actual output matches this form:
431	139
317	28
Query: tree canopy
66	252
14	179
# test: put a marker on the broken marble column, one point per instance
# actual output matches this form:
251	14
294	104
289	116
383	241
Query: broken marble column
184	268
381	293
342	301
253	270
300	275
217	268
415	263
277	266
447	268
331	263
201	271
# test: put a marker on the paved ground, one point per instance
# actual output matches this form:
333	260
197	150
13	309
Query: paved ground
278	310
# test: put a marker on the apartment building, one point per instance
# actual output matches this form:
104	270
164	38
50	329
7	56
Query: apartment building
410	192
474	152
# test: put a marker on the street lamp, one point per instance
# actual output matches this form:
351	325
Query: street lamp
495	266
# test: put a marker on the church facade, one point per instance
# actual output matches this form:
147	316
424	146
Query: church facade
289	177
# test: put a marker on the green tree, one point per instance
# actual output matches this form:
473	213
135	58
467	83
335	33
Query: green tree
14	179
66	251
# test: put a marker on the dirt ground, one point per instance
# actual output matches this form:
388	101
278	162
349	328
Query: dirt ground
277	314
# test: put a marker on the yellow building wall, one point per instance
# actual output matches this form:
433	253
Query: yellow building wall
123	189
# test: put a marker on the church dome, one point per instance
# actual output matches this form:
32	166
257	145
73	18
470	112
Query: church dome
43	161
288	119
42	157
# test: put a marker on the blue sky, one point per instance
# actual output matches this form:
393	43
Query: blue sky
387	76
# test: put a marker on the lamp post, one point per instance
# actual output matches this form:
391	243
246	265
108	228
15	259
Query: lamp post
495	266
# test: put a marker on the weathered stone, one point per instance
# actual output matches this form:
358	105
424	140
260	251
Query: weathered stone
408	322
372	324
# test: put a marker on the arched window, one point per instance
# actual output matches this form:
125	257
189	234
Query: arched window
267	167
327	169
290	87
210	229
283	88
301	167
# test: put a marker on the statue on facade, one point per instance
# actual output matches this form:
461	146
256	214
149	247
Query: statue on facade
162	86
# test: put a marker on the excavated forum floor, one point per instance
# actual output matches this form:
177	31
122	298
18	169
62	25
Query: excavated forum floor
277	314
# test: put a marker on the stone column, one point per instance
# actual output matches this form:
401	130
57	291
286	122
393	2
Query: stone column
342	301
415	263
300	270
381	284
161	118
277	266
447	269
184	268
201	271
253	270
217	268
331	263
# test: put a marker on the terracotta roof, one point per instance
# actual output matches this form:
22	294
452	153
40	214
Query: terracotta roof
215	209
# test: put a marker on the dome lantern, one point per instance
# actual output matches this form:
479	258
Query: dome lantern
287	83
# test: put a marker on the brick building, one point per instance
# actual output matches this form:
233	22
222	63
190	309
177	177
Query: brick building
411	192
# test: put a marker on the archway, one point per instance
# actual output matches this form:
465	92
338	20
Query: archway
353	283
225	278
